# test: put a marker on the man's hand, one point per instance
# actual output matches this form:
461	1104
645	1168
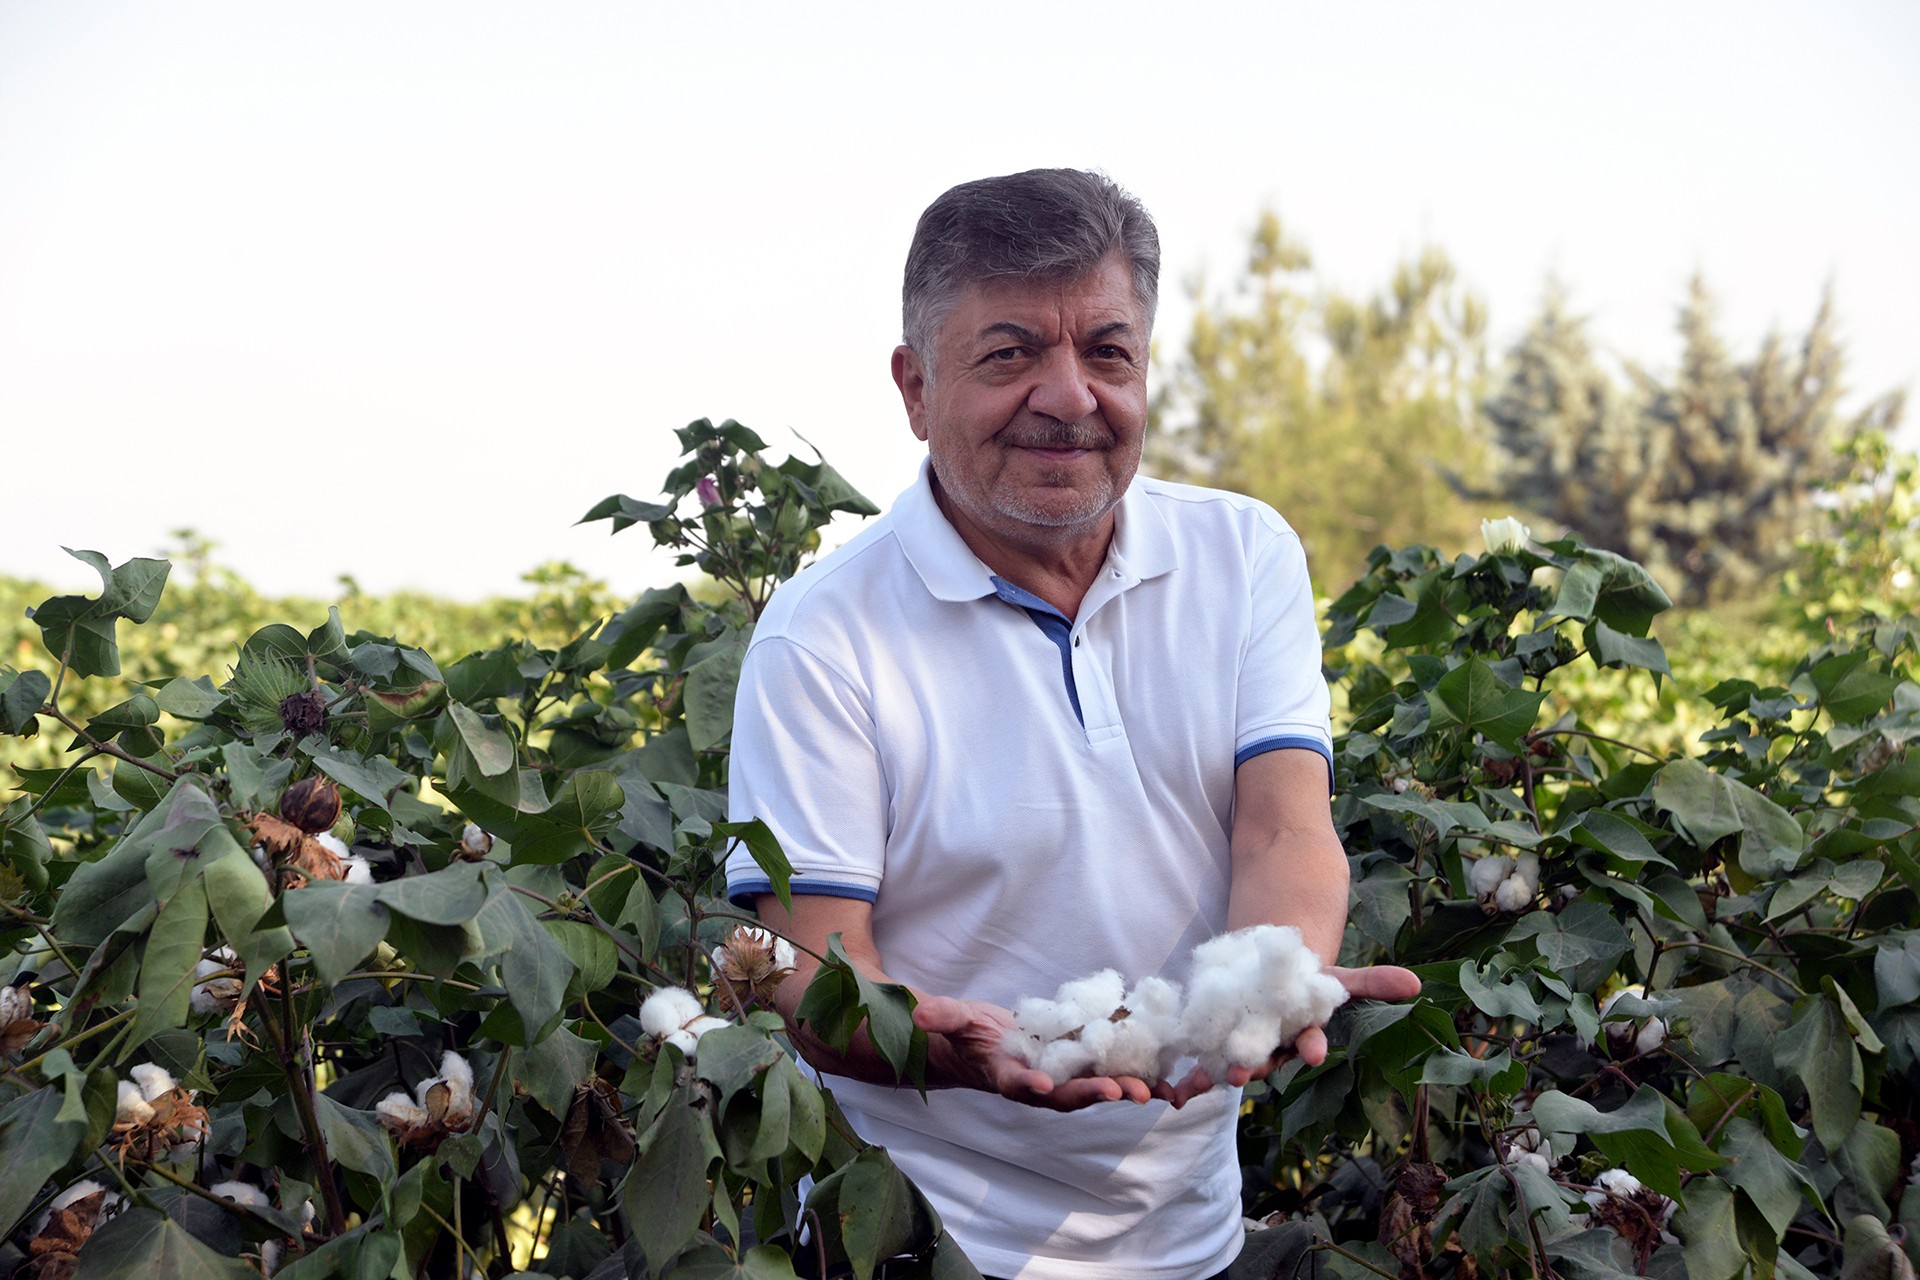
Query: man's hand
1375	982
975	1030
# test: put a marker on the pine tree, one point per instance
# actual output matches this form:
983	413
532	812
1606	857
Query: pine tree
1708	478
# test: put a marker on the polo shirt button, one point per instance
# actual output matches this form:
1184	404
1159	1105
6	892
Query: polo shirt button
1076	642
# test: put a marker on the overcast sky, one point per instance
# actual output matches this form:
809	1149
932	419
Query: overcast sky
400	290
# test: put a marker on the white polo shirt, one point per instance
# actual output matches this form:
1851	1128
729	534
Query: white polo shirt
1025	801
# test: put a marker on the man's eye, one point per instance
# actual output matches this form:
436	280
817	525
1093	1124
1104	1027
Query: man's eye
1007	355
1107	351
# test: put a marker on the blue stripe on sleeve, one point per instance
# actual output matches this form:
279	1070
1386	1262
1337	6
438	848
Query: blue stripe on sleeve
741	893
1265	745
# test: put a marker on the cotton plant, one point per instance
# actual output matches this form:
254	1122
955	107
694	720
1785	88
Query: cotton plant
249	1196
675	1016
1636	1213
750	965
1626	1036
1249	993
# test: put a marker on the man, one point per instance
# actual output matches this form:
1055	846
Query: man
1043	719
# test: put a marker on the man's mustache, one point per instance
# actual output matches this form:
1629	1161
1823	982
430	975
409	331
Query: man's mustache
1057	435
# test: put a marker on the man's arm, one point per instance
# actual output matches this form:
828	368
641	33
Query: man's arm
1288	868
963	1036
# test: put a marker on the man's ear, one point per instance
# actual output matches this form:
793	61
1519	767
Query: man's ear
910	375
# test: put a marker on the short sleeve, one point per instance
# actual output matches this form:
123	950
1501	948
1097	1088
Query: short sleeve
804	761
1283	698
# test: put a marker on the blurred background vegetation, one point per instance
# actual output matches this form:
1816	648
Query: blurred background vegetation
1767	496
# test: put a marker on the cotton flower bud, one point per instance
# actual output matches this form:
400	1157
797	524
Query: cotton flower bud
708	491
668	1010
311	804
1504	536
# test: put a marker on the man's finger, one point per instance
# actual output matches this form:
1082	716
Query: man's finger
941	1014
1378	982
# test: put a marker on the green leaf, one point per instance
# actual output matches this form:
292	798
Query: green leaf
1507	999
877	1212
238	894
731	1057
1707	806
34	1143
1849	689
547	832
186	699
533	967
665	1193
372	778
806	1110
1613	589
551	1070
490	747
166	972
840	998
26	692
83	629
767	854
1710	1234
450	896
338	923
354	1138
1619	838
1584	934
140	1244
1769	1181
1818	1050
711	1262
1612	648
708	696
1477	700
102	896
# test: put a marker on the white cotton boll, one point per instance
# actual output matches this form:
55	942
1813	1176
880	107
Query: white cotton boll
455	1070
1045	1019
1527	867
130	1107
1216	1001
669	1009
1514	894
333	844
359	871
1615	1182
1534	1159
398	1112
1486	874
153	1080
1064	1059
1651	1036
685	1041
1096	997
701	1026
1020	1045
241	1193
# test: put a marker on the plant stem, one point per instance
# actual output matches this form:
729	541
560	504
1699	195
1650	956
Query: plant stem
1595	737
106	748
298	1071
1745	959
76	1038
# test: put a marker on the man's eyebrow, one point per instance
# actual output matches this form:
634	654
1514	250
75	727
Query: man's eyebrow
1020	333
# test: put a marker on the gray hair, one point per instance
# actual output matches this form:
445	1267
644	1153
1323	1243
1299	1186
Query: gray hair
1042	225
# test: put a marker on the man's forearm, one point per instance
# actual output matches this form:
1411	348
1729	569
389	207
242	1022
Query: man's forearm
1291	877
862	1059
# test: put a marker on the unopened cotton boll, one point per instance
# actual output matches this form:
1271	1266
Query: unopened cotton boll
669	1009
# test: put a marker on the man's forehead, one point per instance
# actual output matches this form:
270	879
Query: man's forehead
1100	303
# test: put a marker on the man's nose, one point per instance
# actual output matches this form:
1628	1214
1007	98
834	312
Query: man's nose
1063	389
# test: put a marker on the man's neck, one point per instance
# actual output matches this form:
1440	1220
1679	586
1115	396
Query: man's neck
1060	570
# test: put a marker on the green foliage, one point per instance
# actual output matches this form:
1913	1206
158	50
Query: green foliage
1286	390
1708	476
420	1057
1703	970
